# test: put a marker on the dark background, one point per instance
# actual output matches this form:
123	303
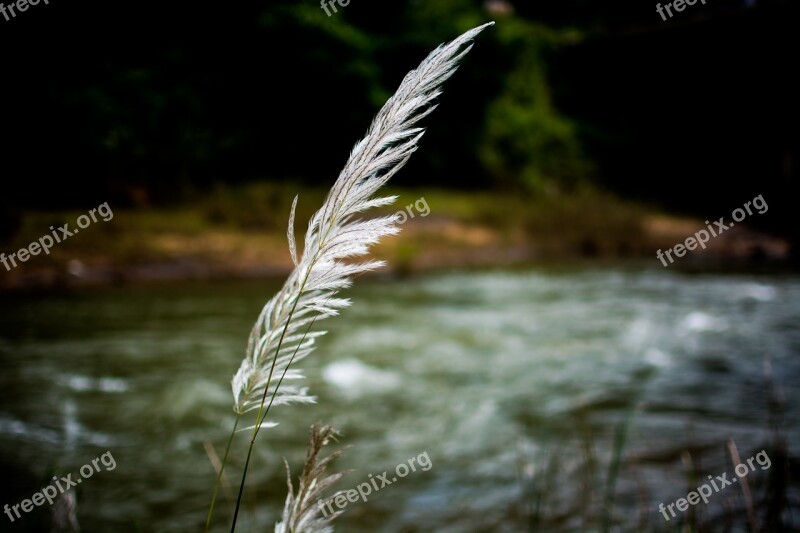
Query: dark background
145	104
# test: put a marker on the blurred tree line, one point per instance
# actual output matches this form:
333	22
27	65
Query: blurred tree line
153	104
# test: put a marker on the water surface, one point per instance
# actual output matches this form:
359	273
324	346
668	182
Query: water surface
512	382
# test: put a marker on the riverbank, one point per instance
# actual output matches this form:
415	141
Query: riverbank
240	233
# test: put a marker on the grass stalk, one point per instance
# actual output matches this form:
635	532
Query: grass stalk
219	474
333	236
263	417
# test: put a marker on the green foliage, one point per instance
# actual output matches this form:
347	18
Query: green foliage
430	22
331	45
153	122
258	207
526	140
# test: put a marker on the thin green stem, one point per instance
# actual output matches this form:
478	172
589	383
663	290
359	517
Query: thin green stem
262	418
289	364
241	488
219	475
620	437
259	417
262	414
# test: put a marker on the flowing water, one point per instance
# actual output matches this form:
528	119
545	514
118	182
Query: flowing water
512	383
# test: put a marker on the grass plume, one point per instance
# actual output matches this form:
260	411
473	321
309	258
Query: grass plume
301	511
335	237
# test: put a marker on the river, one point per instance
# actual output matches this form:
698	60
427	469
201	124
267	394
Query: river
514	384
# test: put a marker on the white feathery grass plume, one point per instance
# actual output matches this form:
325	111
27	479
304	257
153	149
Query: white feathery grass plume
301	513
280	336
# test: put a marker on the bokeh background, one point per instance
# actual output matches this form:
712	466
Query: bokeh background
524	333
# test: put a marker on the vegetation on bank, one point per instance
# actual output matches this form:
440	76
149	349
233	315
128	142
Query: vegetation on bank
239	231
